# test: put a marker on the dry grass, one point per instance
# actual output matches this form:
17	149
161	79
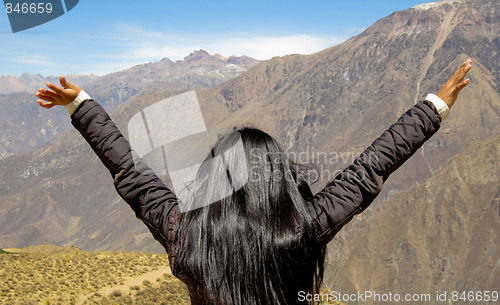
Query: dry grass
51	275
164	291
72	276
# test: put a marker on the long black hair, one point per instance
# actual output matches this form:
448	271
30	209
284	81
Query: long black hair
247	236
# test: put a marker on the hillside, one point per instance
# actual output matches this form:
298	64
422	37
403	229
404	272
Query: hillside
335	102
47	274
342	98
440	235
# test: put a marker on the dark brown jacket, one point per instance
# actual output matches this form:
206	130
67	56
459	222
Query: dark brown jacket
348	194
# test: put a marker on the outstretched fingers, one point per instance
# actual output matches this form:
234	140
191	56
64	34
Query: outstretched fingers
56	89
462	71
462	84
47	95
459	81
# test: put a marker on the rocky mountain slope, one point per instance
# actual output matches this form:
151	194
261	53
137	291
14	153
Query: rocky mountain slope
440	235
334	102
198	70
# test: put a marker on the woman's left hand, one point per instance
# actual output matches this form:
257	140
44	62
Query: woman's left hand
57	96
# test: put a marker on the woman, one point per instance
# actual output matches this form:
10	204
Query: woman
264	242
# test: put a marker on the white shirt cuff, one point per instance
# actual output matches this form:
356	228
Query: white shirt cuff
82	97
441	106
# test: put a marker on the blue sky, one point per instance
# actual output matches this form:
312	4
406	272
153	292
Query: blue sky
100	37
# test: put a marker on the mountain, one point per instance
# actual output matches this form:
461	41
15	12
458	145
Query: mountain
332	103
24	126
198	70
439	235
339	100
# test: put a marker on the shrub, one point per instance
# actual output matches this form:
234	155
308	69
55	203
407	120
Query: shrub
115	293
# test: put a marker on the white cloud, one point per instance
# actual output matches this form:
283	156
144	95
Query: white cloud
123	46
259	47
263	47
33	59
356	30
138	45
160	51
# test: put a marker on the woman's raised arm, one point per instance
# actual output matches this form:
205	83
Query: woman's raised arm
352	190
136	183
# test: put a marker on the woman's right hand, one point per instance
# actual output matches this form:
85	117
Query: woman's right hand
57	96
449	91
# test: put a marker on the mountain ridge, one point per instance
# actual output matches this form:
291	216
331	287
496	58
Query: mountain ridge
25	127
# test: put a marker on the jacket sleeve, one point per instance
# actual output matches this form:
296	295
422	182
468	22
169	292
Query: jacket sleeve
352	190
136	183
